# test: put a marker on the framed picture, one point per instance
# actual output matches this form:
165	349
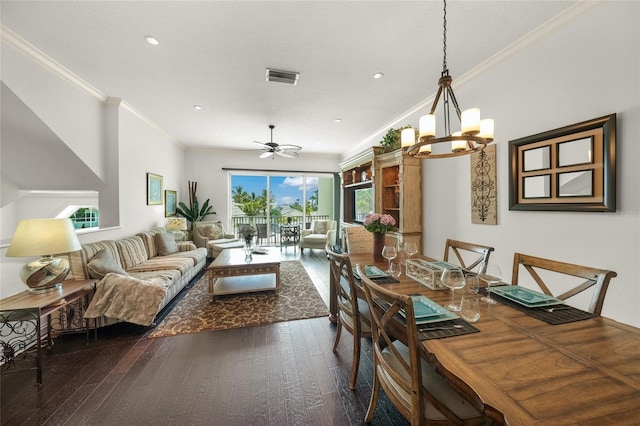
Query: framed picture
154	189
170	201
572	168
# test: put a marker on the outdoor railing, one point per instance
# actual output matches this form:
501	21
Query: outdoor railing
274	222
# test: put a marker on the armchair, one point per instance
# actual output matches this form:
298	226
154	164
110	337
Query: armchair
321	233
212	236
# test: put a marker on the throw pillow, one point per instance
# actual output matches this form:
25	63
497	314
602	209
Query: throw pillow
166	243
216	232
103	263
319	227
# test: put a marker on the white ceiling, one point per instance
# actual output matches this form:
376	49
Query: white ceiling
214	54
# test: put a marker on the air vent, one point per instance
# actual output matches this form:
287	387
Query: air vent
279	76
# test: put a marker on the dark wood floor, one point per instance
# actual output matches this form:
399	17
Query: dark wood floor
279	374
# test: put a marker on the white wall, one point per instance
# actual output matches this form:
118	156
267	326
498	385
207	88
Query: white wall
141	149
205	167
587	69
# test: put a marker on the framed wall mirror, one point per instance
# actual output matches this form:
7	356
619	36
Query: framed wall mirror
572	168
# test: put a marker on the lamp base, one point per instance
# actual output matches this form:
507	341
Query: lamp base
45	274
41	290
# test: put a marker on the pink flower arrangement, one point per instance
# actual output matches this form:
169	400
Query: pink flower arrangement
379	223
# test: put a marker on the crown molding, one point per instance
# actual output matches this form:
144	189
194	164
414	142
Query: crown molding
49	64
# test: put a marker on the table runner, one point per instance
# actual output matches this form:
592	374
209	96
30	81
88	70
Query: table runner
561	316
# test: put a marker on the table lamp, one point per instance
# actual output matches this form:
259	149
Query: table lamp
44	237
177	226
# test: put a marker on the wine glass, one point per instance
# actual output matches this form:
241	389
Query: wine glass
389	253
454	279
490	273
410	248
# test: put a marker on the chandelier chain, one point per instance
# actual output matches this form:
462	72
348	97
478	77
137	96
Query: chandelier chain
444	39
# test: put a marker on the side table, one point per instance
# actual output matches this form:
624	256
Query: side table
289	235
21	316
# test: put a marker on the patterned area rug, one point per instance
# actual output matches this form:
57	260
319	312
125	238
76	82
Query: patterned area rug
297	299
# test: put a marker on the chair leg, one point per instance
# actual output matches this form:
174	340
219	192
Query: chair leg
355	363
338	332
375	392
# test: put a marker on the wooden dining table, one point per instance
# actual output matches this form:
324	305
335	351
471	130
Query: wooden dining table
585	372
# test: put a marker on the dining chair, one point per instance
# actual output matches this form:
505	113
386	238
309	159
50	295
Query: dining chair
468	255
597	278
418	386
353	311
359	240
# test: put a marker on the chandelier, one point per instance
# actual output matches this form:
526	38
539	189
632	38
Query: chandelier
474	134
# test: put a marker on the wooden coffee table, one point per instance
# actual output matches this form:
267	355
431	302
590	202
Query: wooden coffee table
231	272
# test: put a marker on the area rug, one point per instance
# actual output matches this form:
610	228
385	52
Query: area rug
297	299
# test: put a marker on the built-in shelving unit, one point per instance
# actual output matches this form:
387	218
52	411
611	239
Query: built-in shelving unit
396	182
399	192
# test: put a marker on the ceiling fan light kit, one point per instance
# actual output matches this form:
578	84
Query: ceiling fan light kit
475	133
284	150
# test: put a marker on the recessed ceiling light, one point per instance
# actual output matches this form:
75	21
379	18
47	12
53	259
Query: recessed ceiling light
197	107
337	120
378	75
152	40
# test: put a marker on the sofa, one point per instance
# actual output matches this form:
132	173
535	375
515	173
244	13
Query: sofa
211	235
318	235
151	256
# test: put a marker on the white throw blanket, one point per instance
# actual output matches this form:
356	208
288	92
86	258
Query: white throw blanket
127	298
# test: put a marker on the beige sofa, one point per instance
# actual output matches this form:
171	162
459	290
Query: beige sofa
139	256
318	235
210	234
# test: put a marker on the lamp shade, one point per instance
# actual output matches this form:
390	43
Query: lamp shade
177	224
37	237
44	237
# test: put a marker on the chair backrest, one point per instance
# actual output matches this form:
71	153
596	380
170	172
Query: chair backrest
322	226
346	290
262	230
468	255
597	278
396	371
359	240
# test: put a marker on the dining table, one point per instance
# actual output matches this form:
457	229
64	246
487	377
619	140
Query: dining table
583	372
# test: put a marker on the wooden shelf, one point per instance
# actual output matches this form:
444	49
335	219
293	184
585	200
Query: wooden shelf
399	178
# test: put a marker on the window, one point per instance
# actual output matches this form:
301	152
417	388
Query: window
277	199
85	217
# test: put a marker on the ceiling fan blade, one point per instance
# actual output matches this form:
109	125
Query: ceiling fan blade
287	154
266	154
260	143
287	147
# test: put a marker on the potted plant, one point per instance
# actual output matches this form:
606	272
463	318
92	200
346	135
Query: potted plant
391	141
193	212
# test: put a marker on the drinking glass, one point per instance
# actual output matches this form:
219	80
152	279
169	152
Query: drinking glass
473	285
396	269
410	248
389	253
470	307
490	273
453	278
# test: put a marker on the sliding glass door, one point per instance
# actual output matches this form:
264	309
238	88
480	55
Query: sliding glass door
268	201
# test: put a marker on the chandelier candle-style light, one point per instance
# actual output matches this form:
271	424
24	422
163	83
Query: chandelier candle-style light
475	133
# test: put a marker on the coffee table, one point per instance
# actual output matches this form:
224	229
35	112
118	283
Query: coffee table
232	273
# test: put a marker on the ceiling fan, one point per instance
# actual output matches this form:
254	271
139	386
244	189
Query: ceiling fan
270	148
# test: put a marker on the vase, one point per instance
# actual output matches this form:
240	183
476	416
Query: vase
378	245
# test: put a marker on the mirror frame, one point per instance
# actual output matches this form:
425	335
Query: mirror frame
602	130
